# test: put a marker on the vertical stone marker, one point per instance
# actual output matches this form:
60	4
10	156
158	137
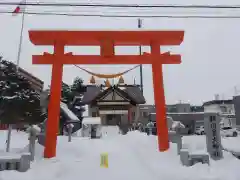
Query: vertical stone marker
213	138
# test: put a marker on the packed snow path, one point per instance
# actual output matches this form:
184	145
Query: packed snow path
131	157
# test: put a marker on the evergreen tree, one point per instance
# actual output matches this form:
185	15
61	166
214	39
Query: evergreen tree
19	103
67	95
72	96
78	86
78	89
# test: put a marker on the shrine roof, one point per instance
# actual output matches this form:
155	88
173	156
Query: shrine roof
132	92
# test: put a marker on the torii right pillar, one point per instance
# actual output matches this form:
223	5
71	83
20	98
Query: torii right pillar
159	95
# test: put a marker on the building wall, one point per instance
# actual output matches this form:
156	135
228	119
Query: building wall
236	101
227	113
92	111
220	108
181	107
140	113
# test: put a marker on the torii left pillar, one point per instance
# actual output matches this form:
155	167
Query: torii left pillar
52	129
106	40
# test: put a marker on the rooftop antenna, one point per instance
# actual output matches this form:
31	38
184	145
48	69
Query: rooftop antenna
222	96
235	91
216	96
140	53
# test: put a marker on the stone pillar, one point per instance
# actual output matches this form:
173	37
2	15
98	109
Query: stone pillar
213	138
33	134
70	127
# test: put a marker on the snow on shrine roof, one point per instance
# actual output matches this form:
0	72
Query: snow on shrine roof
68	112
91	120
133	92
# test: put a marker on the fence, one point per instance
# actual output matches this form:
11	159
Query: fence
3	126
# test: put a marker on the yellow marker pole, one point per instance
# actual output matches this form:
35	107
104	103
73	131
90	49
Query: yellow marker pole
104	160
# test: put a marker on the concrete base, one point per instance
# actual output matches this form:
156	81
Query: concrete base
21	163
191	159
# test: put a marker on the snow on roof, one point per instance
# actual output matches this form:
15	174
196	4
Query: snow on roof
68	111
91	120
186	113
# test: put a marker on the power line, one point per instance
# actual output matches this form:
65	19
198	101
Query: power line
126	5
127	16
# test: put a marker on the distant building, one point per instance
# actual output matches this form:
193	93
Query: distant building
191	120
225	108
180	107
220	106
197	109
236	102
183	107
144	113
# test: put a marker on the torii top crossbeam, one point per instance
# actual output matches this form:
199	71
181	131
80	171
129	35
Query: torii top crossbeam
106	41
120	38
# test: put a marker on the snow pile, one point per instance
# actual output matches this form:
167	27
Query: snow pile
70	114
231	144
18	140
133	156
110	131
91	120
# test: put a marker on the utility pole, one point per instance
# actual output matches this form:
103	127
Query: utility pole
17	71
140	52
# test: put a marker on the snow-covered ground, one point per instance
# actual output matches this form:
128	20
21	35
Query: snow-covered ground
132	156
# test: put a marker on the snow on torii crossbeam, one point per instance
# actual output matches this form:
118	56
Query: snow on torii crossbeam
107	40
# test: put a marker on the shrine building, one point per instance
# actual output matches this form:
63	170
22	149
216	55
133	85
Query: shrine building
116	104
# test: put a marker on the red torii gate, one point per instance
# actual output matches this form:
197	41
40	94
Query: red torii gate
107	40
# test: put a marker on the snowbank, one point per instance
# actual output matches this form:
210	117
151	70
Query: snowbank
133	156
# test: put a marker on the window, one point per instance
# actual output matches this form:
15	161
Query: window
223	109
145	114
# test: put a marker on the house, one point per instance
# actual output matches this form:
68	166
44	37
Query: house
225	108
236	102
144	113
220	106
115	105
